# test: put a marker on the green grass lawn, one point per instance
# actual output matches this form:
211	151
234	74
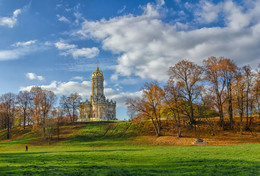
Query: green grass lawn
93	153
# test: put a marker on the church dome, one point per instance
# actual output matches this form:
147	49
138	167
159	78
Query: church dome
97	72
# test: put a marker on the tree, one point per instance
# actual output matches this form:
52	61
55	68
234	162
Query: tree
24	99
205	106
248	76
43	101
37	98
7	107
149	105
70	104
173	101
216	76
229	69
48	100
240	86
257	91
59	114
188	76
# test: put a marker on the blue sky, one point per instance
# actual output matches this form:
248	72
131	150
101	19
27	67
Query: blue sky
56	43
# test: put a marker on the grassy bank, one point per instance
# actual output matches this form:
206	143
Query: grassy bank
101	149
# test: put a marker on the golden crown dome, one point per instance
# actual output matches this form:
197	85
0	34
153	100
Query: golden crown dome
97	72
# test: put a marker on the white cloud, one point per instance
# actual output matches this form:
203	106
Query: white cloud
236	19
75	52
121	10
63	19
13	53
33	76
85	52
207	12
21	49
147	45
23	44
120	97
66	88
64	46
78	78
84	89
10	21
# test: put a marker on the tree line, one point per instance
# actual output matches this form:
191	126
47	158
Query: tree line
37	107
218	88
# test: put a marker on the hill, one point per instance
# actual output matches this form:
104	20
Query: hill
118	148
134	133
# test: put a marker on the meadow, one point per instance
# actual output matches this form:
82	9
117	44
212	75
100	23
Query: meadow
103	149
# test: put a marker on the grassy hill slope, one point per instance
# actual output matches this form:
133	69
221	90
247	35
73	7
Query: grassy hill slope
101	148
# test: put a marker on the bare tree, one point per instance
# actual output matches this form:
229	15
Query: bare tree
70	104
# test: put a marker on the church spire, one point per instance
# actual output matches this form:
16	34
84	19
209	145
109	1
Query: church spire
97	72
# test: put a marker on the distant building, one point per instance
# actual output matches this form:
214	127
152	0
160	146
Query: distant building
98	108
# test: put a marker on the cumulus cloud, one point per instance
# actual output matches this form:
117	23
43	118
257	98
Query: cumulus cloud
147	45
33	76
75	52
10	21
236	19
84	89
120	97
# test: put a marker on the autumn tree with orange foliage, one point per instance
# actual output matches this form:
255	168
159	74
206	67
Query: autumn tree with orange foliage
150	105
257	90
229	69
173	102
248	78
188	76
7	110
215	74
239	91
43	101
24	100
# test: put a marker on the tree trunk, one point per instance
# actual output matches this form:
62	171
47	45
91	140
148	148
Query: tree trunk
24	119
8	128
241	123
178	125
157	131
230	109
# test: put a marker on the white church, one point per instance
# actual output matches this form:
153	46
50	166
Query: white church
98	108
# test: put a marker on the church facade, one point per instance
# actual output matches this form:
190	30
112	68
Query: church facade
98	108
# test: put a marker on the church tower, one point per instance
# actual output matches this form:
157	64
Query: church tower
98	108
97	86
